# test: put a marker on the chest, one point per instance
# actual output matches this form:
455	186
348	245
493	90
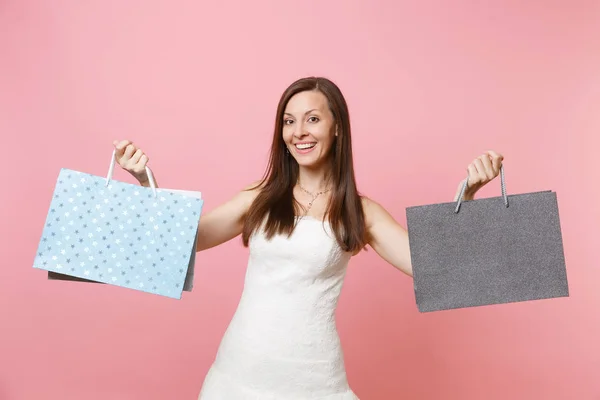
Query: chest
311	204
310	251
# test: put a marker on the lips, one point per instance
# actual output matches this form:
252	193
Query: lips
305	146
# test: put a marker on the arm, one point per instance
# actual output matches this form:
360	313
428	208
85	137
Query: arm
387	237
226	221
390	240
217	226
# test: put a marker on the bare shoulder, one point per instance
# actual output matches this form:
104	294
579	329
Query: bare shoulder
386	236
373	211
226	221
243	199
255	186
238	205
249	193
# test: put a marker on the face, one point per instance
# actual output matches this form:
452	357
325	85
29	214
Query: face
308	128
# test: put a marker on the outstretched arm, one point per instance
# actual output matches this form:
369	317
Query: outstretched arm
390	240
226	221
387	237
217	226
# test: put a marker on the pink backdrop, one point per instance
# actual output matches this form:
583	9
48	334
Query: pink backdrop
430	84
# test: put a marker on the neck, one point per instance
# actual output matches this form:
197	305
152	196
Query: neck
314	180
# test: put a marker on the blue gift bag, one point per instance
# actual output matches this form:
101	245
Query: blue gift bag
121	234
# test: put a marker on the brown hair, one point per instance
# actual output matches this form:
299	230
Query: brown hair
276	201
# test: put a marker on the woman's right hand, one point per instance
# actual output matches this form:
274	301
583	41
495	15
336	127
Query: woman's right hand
132	159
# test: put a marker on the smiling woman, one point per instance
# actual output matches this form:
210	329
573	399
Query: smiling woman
319	120
302	223
310	172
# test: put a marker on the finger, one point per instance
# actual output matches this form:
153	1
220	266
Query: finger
473	175
120	146
481	174
140	166
488	168
129	150
135	158
495	155
144	161
484	166
496	160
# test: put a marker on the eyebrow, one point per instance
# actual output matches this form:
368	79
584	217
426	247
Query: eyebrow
308	112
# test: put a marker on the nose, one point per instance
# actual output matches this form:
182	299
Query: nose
299	132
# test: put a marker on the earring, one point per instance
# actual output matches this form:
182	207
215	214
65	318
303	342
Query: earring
287	151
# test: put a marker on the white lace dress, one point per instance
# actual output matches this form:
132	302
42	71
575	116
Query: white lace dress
282	342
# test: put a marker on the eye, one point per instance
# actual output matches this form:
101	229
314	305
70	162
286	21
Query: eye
313	119
288	121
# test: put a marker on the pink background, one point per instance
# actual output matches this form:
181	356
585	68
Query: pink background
430	84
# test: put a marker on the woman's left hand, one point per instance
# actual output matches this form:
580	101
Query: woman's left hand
481	171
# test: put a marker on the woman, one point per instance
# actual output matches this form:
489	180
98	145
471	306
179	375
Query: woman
302	223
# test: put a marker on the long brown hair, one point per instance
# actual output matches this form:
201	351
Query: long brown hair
276	201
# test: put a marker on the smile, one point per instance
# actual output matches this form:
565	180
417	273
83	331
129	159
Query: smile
305	146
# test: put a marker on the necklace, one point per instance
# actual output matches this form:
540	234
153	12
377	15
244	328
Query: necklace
313	195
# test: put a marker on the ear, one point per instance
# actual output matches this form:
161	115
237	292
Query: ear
336	130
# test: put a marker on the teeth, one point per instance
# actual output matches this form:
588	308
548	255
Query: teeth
305	146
